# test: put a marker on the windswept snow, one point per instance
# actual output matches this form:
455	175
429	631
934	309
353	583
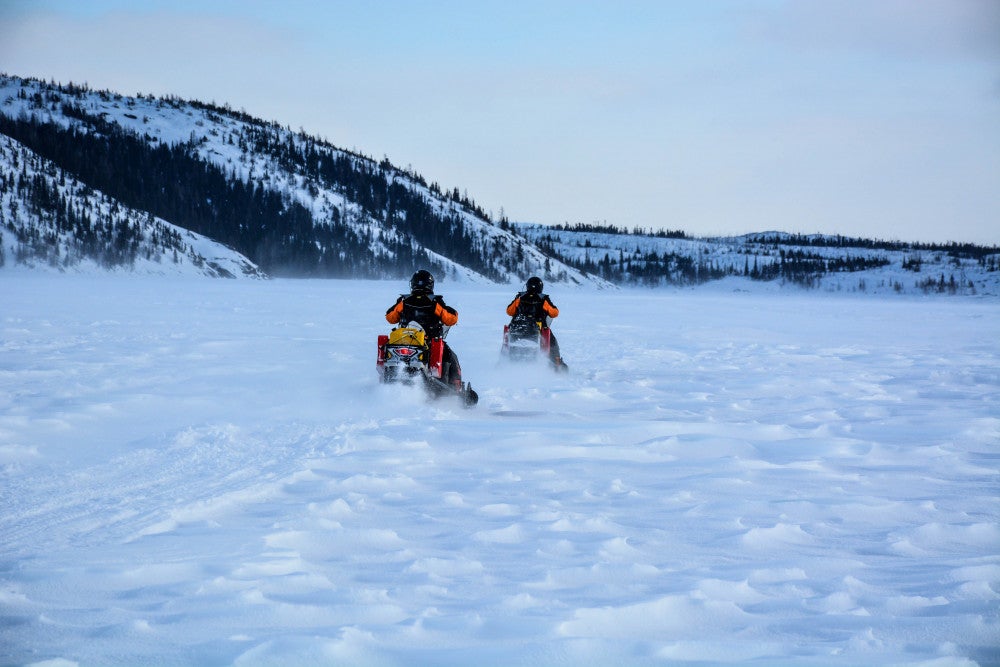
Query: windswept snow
207	472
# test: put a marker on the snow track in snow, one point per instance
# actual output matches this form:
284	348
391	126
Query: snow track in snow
206	472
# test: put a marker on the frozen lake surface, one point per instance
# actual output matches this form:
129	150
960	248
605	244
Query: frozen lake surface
207	473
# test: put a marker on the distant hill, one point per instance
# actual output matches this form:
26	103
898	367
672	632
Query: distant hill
94	180
830	263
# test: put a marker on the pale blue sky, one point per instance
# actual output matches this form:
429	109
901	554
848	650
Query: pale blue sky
863	117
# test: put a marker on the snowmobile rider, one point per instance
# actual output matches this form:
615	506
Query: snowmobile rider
428	310
534	304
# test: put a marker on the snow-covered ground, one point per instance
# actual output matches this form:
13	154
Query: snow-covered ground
207	473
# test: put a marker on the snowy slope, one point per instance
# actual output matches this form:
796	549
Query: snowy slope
268	155
206	472
211	130
939	270
36	239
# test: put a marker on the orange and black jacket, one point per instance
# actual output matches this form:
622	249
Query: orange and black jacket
535	306
428	310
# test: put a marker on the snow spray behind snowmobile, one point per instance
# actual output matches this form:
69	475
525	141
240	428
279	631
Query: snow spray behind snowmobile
408	356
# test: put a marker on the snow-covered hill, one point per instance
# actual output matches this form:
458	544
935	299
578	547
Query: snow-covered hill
286	203
90	232
299	168
771	260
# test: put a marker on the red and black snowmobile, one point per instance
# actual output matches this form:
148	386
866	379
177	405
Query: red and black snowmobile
408	356
526	340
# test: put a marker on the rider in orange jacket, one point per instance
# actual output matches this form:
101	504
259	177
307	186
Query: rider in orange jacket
428	310
537	306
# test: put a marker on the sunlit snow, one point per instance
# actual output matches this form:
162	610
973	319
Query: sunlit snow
207	472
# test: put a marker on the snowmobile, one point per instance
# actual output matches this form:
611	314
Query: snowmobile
525	340
406	355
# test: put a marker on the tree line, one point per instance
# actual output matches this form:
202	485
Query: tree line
55	220
651	268
952	249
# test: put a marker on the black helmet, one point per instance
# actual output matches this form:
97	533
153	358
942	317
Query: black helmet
422	282
534	285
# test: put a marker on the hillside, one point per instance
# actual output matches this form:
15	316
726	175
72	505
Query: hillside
56	221
773	259
291	203
95	179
